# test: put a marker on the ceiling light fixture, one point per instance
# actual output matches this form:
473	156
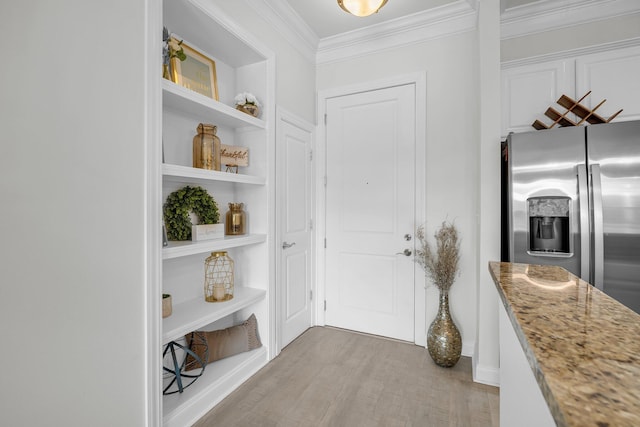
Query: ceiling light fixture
361	7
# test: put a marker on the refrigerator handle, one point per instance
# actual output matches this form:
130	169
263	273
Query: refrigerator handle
585	244
598	228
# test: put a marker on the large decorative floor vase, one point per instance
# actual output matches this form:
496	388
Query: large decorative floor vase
443	339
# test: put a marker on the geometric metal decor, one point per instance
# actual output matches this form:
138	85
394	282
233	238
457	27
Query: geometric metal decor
181	364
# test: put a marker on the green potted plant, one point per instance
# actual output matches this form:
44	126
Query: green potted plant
198	201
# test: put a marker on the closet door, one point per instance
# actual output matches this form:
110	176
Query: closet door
294	225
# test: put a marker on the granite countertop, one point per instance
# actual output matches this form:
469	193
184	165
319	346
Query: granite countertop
582	345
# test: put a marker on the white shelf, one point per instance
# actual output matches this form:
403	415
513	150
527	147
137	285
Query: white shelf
177	249
218	379
188	174
196	313
200	23
194	104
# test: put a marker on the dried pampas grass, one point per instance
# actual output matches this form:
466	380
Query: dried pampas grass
442	265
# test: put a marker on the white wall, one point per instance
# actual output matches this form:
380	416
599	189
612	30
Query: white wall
486	359
451	145
72	183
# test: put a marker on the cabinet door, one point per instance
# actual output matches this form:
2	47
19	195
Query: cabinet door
612	76
528	90
522	403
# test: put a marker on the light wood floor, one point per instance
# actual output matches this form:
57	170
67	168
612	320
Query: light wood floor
332	377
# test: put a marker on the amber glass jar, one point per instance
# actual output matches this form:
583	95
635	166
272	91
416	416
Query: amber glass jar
236	219
206	148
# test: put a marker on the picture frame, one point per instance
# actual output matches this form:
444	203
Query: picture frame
197	72
165	241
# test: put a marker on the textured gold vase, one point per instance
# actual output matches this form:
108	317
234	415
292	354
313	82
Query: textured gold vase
443	339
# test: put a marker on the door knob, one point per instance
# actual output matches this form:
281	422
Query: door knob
286	245
406	252
407	237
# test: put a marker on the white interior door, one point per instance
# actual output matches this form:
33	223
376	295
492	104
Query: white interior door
294	214
370	211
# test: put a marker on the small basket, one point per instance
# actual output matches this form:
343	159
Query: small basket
251	109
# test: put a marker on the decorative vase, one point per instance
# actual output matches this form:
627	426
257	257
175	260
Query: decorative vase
166	305
443	339
206	148
218	277
165	72
250	109
235	220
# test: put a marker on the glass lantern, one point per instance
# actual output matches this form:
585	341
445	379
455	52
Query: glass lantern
218	277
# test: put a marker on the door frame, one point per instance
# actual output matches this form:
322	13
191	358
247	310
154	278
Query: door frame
285	116
420	82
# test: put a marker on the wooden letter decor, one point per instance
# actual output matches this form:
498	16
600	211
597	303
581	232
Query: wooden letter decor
234	156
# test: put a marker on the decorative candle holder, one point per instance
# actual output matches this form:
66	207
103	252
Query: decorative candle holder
235	221
218	277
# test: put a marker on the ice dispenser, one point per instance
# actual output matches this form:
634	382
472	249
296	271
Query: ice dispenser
549	224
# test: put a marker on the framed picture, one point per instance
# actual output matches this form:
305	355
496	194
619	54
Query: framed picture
165	241
197	72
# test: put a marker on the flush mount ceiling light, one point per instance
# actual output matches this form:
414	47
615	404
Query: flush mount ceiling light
361	7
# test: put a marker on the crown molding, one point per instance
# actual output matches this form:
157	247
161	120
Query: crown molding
453	18
572	53
546	15
289	24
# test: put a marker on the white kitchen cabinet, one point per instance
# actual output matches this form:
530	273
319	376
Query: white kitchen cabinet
529	89
242	65
612	76
521	401
527	92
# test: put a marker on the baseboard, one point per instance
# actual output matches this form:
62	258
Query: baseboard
467	348
483	374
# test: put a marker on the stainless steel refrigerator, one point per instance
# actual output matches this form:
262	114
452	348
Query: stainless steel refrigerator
574	201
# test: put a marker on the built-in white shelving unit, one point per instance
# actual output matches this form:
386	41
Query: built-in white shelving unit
242	65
